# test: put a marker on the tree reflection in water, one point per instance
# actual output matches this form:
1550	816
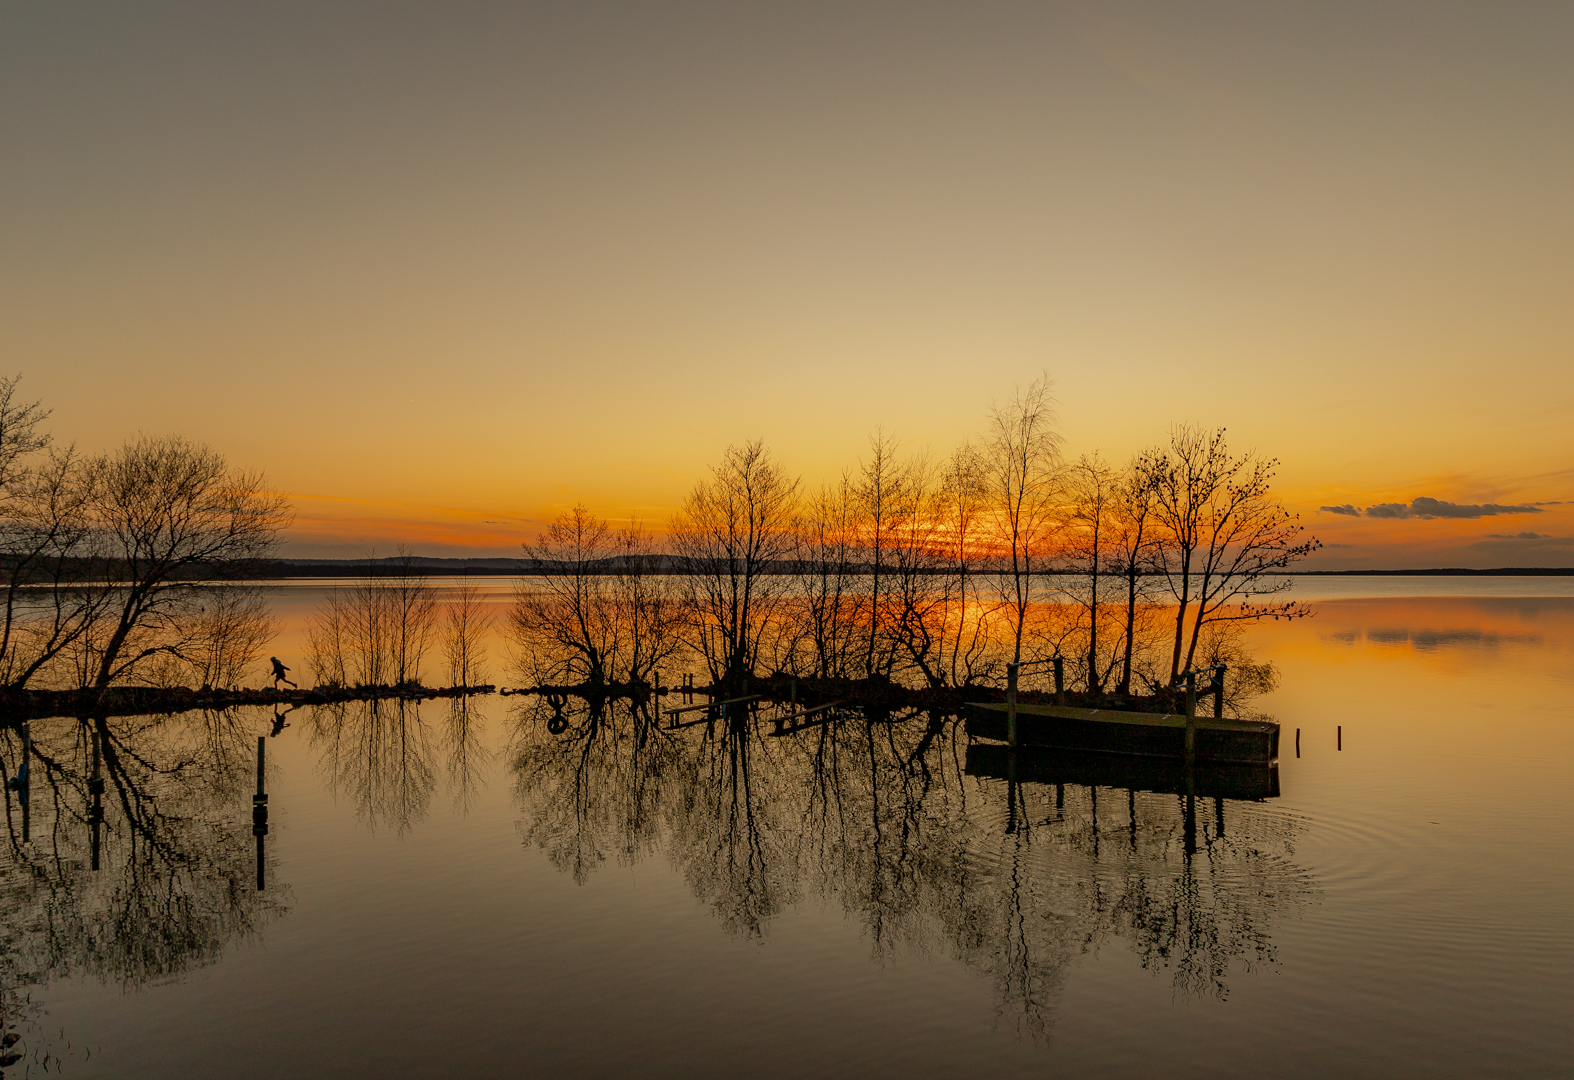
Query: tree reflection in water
1015	879
379	754
139	863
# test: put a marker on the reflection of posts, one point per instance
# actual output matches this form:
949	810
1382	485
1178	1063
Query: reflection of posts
24	782
1011	703
259	810
95	788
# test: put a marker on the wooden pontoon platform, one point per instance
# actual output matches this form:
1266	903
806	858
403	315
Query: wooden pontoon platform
1112	731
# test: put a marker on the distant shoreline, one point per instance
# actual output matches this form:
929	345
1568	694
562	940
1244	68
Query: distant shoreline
495	567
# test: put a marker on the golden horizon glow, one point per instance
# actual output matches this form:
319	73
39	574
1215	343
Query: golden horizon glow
453	270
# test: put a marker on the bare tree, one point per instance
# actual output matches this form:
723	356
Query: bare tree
881	494
1092	487
733	529
53	590
1226	533
824	557
232	628
44	527
165	511
464	638
1136	547
961	512
644	607
1020	470
412	610
564	621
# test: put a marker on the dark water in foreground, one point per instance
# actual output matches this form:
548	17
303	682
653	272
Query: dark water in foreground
452	895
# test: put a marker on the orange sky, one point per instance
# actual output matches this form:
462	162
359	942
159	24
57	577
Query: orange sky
444	270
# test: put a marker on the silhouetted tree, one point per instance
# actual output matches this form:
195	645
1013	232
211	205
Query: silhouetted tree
1226	534
733	529
1020	472
165	510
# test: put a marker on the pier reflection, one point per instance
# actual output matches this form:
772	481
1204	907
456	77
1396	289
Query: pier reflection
1018	866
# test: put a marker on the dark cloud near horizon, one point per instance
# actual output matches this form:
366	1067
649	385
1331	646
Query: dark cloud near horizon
1518	536
1428	509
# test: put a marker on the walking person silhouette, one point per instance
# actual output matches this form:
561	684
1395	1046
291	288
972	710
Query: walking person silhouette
279	674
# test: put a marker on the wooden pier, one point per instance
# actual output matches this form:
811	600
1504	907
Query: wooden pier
1112	731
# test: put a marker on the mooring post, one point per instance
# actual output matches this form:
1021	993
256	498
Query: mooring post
95	788
1011	704
1218	692
1060	681
1297	742
1339	737
1191	719
24	782
259	811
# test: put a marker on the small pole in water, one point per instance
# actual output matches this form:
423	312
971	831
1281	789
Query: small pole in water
1011	704
24	782
1218	692
1339	737
95	788
1060	681
1297	742
259	811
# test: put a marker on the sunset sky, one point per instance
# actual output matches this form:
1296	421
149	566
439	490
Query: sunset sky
443	270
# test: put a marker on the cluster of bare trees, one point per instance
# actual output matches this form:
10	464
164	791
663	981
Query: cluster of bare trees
601	617
377	630
121	567
940	571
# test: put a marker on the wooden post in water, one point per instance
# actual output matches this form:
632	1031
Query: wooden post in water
1060	681
1218	692
95	788
259	811
24	782
1339	737
1011	704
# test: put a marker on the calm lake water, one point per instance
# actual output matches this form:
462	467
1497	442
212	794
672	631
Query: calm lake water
458	893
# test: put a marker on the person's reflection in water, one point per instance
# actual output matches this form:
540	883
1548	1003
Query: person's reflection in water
278	719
